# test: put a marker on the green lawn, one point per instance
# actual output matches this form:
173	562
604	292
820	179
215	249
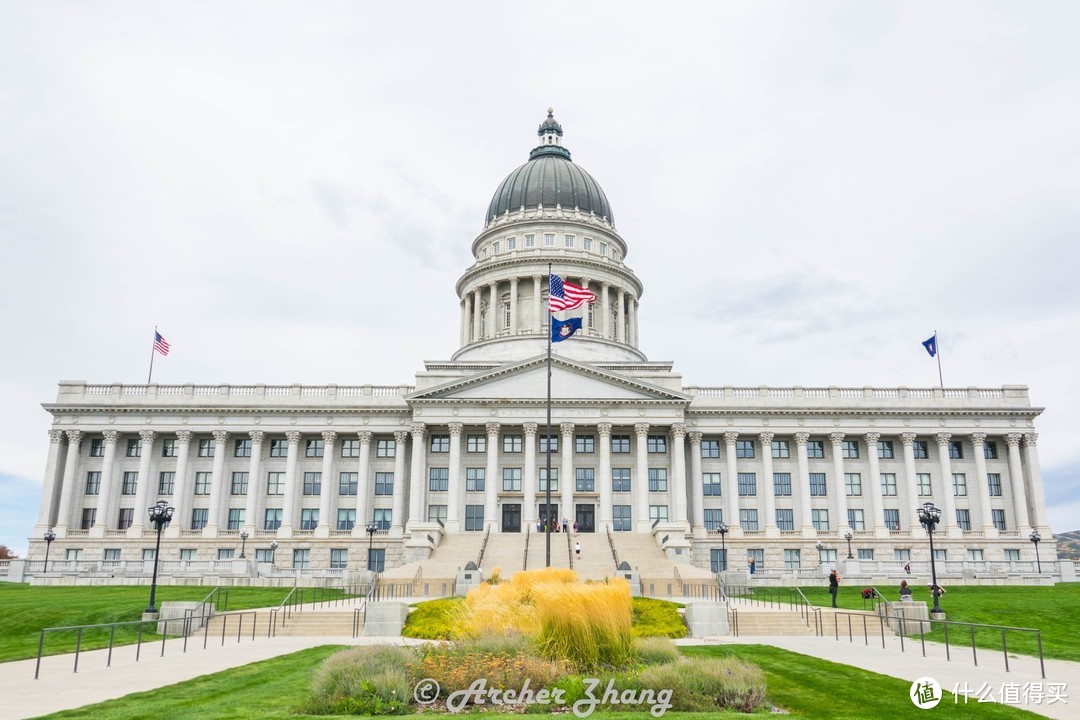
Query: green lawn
29	609
806	687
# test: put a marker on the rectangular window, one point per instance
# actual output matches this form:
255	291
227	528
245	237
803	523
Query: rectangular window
166	480
97	447
275	483
384	483
206	448
134	448
511	243
309	518
781	450
263	555
512	443
385	448
892	519
657	480
438	479
1012	555
129	483
656	444
314	448
585	480
710	484
239	483
959	484
620	443
586	243
902	555
975	555
339	558
885	450
963	519
747	484
820	519
111	557
568	240
346	518
718	559
744	448
990	450
435	513
782	484
202	483
376	561
474	479
853	484
168	447
544	479
236	518
350	448
792	559
956	450
348	483
622	520
710	448
511	480
658	514
827	556
785	519
382	517
199	516
313	483
919	448
850	449
817	485
476	444
242	448
544	440
126	517
998	518
815	449
713	518
585	443
549	239
993	481
620	479
855	519
93	483
279	448
922	482
495	248
440	444
864	554
748	519
89	515
474	518
888	484
301	558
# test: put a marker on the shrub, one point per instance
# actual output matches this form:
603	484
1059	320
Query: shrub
370	680
435	619
502	661
656	651
702	684
657	618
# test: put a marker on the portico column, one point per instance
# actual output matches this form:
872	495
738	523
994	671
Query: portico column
984	520
841	524
1038	494
288	512
491	480
48	486
906	491
68	484
142	486
1016	481
604	481
365	489
218	504
108	485
477	314
182	496
538	305
493	308
453	482
641	482
620	316
800	490
328	487
401	486
566	472
873	486
768	486
948	517
697	485
418	476
528	484
678	473
731	514
513	305
464	332
605	304
252	503
631	304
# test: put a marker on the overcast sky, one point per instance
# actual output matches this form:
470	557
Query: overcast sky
290	190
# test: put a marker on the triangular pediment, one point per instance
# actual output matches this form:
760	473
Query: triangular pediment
526	381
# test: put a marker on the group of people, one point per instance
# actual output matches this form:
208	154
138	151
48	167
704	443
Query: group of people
554	526
905	589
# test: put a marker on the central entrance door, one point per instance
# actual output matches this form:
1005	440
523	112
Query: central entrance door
586	518
511	518
547	517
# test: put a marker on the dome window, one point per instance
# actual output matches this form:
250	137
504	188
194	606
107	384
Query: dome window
586	243
569	240
511	244
494	248
530	241
549	240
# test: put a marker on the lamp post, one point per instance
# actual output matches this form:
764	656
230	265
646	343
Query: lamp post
929	516
820	546
722	528
160	515
847	536
243	543
273	552
50	536
372	528
1035	537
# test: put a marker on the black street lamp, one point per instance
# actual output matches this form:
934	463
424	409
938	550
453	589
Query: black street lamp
722	528
820	546
273	552
160	515
929	517
243	543
50	536
847	536
372	528
1035	537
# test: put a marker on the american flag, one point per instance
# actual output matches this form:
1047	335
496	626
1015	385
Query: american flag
160	343
564	296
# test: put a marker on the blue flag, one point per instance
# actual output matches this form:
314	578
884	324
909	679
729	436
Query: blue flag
562	329
931	345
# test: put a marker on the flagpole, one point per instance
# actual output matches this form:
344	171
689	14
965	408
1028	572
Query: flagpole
937	346
152	350
547	496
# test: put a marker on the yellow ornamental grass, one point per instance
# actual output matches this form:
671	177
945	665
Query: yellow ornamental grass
509	607
589	625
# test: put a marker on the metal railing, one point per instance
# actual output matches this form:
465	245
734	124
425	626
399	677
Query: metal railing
525	559
611	544
777	597
569	549
483	548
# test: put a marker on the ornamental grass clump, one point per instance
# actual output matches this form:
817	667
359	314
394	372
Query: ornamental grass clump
705	684
508	607
370	680
587	625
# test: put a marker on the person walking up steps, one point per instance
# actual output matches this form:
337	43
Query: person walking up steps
577	550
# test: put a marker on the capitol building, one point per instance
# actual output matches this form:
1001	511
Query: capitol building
332	477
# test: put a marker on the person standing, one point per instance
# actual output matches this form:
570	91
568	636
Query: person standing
834	585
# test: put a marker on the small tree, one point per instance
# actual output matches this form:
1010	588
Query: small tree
6	554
